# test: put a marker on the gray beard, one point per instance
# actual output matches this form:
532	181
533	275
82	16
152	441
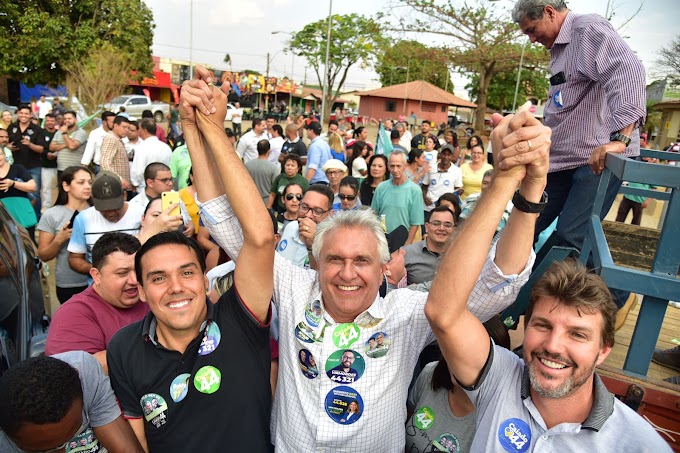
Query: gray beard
569	386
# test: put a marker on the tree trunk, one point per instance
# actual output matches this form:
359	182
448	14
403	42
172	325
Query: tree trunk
483	87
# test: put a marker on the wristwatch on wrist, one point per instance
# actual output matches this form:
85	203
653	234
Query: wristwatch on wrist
619	137
523	205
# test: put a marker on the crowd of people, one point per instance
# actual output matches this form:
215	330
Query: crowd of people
308	291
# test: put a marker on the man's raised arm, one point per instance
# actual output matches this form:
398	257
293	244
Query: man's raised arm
462	337
253	275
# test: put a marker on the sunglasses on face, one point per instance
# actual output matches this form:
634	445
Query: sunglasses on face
347	197
290	196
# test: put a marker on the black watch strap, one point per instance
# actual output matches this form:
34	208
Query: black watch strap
523	205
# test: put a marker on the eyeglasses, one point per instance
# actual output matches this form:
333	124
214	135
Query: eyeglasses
334	172
165	181
438	223
347	197
290	196
304	208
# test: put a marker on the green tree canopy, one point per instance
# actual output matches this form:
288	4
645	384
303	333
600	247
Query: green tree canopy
415	61
533	82
41	38
481	41
355	39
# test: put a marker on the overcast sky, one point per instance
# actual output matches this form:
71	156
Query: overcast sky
244	30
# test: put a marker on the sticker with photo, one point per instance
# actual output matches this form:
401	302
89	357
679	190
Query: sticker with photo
313	313
308	364
344	405
378	345
345	366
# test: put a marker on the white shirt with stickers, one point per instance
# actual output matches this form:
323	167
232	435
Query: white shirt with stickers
344	386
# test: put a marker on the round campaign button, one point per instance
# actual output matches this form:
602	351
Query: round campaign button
345	335
447	182
447	442
514	435
423	418
345	366
344	405
313	313
557	98
208	379
308	364
179	387
304	333
283	245
155	408
378	345
211	339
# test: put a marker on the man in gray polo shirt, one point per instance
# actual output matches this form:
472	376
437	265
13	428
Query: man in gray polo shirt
422	258
552	400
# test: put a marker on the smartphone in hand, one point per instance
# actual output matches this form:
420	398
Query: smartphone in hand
170	198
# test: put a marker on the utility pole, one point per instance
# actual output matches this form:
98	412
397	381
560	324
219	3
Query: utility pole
408	67
266	96
326	74
267	64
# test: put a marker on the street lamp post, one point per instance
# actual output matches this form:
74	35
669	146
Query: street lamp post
191	39
519	75
328	49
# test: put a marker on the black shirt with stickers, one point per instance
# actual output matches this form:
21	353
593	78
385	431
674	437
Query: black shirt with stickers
418	142
226	402
23	154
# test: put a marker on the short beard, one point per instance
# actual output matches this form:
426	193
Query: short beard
568	387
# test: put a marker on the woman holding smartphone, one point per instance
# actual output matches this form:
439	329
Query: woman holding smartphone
56	225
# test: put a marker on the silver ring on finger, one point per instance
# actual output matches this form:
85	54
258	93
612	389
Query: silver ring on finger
529	143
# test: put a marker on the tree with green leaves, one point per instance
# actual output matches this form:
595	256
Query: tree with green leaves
42	38
355	39
481	40
534	82
409	60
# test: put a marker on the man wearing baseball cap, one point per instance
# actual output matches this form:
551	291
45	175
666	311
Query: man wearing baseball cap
319	152
110	213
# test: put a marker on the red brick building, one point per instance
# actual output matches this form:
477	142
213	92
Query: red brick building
427	101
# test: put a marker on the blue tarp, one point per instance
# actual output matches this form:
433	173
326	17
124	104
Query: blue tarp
26	93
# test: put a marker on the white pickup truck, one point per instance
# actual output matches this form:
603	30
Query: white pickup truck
135	104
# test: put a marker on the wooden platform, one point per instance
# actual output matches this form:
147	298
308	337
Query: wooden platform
669	331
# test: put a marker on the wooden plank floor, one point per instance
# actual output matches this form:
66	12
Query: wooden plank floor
669	331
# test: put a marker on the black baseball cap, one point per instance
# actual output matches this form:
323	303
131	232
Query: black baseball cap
315	127
107	192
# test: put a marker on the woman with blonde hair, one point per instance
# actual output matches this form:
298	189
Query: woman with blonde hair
337	146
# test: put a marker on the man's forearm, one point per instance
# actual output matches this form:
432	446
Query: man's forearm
206	177
79	264
412	234
310	174
517	240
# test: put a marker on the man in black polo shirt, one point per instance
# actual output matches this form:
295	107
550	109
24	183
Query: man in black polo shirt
193	376
27	144
293	144
418	141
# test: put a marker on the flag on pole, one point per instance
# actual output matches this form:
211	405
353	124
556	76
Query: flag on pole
82	123
384	144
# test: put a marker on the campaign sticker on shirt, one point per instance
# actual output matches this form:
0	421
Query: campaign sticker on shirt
433	182
155	408
423	418
179	387
282	245
345	366
211	339
84	442
344	405
304	333
378	345
308	364
447	182
428	157
557	98
208	379
447	442
345	335
313	313
514	435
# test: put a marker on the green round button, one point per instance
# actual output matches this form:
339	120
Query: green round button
424	418
208	379
345	335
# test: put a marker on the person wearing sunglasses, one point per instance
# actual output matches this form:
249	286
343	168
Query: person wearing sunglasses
297	237
60	403
291	174
292	196
349	200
